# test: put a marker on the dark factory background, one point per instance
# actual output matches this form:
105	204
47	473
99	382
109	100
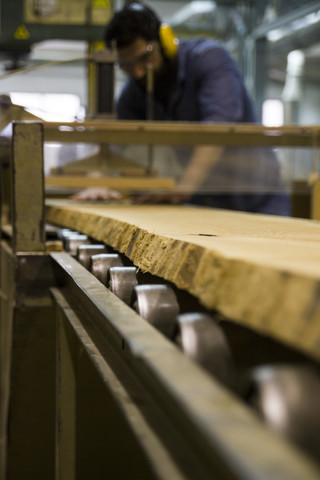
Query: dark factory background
275	43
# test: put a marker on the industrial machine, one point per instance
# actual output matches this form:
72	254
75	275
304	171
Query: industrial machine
155	341
26	22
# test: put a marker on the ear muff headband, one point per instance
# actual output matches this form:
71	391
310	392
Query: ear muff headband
168	40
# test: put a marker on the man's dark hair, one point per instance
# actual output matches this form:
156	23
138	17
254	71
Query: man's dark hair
134	21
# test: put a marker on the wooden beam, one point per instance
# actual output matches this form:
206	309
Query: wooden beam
315	207
118	183
27	186
261	271
181	133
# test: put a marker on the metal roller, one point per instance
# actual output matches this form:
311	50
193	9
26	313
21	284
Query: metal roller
72	242
204	341
288	398
122	282
158	305
85	252
101	263
65	232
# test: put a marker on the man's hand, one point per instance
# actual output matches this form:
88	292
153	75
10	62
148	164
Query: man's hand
97	194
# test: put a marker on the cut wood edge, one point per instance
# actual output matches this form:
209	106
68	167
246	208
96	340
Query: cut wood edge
277	303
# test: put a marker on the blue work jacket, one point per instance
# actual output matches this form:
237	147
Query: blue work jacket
210	88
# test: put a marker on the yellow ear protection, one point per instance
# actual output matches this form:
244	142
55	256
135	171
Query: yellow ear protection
168	40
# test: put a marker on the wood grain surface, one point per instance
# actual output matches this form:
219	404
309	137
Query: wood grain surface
119	183
259	270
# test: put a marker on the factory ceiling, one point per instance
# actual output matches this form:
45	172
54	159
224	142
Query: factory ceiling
286	24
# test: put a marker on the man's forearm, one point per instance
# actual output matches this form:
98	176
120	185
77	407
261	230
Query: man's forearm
200	164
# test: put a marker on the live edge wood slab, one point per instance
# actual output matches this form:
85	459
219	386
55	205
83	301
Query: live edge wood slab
261	271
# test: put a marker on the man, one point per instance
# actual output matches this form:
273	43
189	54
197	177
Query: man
194	80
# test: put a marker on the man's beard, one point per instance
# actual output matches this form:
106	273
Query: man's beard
164	81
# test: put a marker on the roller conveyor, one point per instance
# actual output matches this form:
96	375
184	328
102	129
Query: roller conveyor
132	388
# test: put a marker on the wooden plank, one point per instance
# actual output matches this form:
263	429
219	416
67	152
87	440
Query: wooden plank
261	271
27	186
118	183
181	133
315	207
